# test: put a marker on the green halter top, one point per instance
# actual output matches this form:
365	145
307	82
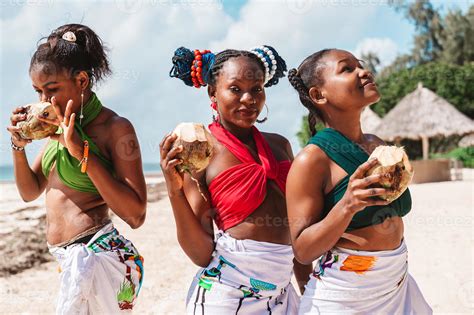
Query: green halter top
67	166
349	156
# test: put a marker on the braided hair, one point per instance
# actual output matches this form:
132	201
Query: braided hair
309	74
75	48
183	60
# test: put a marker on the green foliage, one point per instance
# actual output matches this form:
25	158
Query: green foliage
304	134
457	38
452	82
465	155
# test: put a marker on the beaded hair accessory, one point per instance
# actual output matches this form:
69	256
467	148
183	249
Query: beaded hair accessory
196	68
69	36
268	59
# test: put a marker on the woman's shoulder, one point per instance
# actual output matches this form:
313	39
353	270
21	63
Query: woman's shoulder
312	156
114	122
275	138
278	141
312	164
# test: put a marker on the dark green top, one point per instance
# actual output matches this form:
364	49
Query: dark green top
348	155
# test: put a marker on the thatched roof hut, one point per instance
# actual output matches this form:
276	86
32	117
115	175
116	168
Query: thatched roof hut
369	120
421	115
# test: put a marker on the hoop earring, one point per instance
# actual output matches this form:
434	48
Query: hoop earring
82	105
261	121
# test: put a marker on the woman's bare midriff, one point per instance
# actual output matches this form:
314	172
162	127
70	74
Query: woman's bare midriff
268	223
385	236
70	212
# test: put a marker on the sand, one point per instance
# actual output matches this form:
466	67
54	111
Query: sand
439	235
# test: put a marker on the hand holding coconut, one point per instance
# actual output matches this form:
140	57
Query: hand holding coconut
359	193
393	161
70	139
168	162
19	115
188	149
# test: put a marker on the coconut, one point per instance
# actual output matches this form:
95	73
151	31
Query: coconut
197	147
34	129
394	162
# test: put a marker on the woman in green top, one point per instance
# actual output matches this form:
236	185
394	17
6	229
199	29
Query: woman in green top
79	233
333	211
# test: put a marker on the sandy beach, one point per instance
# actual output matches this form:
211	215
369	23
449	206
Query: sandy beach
439	235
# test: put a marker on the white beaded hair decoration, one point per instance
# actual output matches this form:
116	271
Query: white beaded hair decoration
268	59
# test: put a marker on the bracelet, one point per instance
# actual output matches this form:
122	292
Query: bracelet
15	147
85	157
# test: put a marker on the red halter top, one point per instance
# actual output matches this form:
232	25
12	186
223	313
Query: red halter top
240	189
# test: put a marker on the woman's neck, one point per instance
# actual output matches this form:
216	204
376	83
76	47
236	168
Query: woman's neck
243	134
347	123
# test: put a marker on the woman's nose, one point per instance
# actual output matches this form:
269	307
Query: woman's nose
45	98
363	73
247	99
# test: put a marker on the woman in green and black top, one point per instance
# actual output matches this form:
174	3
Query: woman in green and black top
357	239
101	271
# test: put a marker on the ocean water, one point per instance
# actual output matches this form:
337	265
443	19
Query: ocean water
6	171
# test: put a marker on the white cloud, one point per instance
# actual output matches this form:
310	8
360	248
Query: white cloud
385	48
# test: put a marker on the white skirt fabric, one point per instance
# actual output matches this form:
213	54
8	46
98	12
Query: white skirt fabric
103	276
362	282
245	277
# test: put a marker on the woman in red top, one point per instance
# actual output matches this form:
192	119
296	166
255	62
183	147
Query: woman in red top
247	267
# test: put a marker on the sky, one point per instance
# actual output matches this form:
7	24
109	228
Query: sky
142	35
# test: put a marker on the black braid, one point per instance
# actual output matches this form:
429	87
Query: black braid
309	74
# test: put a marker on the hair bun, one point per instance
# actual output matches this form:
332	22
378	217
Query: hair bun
275	66
192	67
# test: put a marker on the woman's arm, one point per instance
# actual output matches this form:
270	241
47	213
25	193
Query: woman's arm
311	235
30	181
192	214
125	193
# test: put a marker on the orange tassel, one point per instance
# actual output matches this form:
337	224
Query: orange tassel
85	157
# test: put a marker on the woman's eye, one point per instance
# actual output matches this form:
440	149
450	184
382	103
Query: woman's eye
53	90
346	69
258	89
234	89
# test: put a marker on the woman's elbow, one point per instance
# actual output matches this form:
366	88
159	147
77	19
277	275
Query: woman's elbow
303	253
28	197
202	262
137	221
302	257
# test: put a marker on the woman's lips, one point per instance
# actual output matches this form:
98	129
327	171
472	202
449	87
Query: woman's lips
247	112
369	85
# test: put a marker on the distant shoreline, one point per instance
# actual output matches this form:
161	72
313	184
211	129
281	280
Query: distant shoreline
6	172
